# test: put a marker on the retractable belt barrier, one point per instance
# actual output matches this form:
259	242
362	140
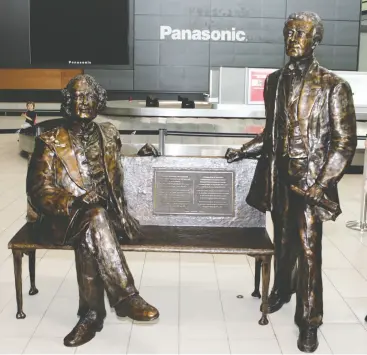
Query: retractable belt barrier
361	225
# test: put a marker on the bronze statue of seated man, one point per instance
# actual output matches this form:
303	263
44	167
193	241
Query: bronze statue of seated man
75	184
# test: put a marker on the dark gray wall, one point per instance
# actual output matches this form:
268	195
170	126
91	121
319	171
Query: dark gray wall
183	66
14	33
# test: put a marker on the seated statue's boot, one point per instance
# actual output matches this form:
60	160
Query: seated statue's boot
276	302
82	311
307	340
84	331
137	309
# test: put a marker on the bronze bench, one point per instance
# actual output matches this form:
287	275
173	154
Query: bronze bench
239	229
217	240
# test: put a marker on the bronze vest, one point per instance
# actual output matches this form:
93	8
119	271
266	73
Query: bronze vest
88	153
289	130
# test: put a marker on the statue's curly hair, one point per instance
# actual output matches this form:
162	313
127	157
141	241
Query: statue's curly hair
312	17
100	92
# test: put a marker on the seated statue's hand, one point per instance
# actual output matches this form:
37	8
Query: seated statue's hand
148	150
91	198
87	199
234	155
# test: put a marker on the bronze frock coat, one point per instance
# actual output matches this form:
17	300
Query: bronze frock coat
54	182
328	126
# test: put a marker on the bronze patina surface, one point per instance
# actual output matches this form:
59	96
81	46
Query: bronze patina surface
75	186
308	142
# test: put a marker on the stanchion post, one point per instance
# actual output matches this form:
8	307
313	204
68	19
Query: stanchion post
361	225
162	141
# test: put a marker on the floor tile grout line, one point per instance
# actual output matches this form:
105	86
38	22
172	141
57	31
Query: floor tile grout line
10	252
10	298
13	186
336	289
47	308
10	202
330	239
327	343
4	230
132	323
24	213
179	306
350	308
271	267
270	322
12	221
14	293
356	269
221	304
337	248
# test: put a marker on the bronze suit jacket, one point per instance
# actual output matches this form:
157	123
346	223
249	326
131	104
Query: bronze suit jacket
54	181
328	126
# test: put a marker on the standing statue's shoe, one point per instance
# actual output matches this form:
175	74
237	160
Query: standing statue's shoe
307	340
276	302
137	309
84	331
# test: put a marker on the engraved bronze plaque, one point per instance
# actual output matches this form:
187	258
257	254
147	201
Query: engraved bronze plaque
193	192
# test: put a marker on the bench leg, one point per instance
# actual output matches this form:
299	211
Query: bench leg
258	264
266	263
32	272
17	258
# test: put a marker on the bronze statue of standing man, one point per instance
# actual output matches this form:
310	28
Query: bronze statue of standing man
308	142
75	184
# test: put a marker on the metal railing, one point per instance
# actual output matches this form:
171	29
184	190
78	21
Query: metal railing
163	133
361	224
18	111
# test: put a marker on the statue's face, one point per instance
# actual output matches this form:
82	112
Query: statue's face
299	38
84	101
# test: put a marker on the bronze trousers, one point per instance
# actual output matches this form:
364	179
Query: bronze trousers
298	235
100	264
285	260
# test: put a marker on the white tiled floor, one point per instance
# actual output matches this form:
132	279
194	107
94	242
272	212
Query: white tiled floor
196	294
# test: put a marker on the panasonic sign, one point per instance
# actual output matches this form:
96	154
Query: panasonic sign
202	35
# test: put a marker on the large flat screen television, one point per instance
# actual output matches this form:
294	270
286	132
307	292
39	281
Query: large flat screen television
79	32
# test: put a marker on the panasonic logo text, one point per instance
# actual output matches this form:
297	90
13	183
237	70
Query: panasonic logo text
202	35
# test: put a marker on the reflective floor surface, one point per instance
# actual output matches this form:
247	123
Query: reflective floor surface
196	294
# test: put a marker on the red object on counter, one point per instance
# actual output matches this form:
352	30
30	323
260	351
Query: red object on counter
257	83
